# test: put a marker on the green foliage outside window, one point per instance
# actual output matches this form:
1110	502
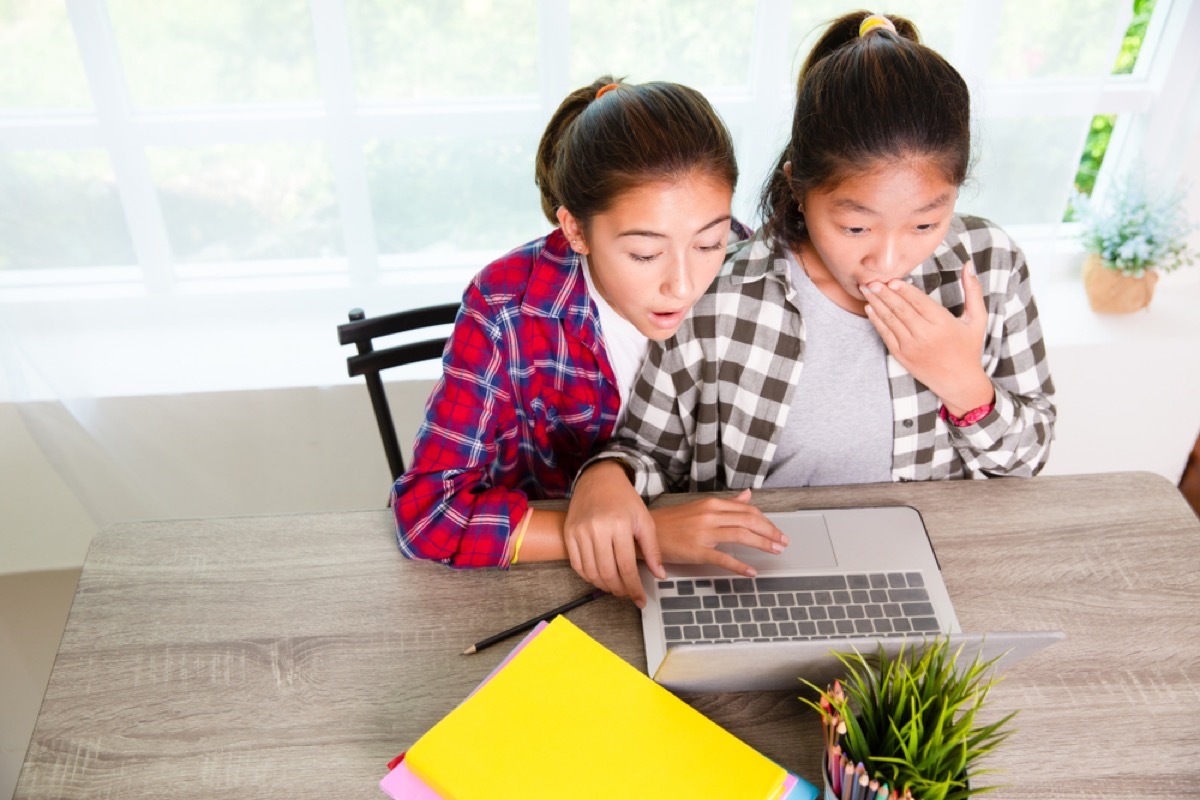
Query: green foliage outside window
1102	125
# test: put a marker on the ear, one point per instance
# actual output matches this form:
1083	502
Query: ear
573	230
787	171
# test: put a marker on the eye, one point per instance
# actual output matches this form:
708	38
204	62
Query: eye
710	248
928	227
643	259
854	231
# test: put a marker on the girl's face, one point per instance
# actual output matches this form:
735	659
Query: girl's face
875	227
657	249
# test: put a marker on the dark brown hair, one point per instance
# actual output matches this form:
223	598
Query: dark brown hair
860	99
595	149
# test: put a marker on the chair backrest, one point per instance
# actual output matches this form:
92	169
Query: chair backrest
362	332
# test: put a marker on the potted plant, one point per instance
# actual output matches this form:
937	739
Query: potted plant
907	725
1131	237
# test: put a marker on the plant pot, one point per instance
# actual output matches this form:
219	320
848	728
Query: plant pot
827	781
1111	291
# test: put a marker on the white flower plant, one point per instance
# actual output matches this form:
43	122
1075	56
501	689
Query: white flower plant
1136	230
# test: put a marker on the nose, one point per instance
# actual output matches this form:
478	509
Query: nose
887	258
678	282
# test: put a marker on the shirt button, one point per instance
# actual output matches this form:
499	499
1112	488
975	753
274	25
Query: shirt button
908	423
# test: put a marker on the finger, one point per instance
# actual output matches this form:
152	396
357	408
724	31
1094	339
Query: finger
754	539
626	562
743	496
974	307
891	307
889	338
606	566
587	559
920	304
647	539
728	562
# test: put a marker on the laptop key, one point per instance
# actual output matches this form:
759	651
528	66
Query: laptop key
896	580
743	585
917	609
730	631
685	587
863	626
800	583
807	628
858	581
691	632
788	629
666	584
704	617
749	630
903	595
845	626
722	586
741	615
680	603
798	613
878	580
673	632
779	614
760	614
925	624
723	615
826	627
712	631
711	601
915	578
677	618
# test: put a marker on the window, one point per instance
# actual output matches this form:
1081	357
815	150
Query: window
182	166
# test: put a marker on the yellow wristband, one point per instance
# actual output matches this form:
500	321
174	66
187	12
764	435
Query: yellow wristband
522	526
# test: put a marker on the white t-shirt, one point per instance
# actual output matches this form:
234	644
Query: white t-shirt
625	345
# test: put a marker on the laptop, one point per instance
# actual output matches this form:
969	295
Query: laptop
851	579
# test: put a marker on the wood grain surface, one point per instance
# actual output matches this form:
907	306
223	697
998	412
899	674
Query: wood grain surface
295	655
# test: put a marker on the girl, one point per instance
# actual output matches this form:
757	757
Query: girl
536	375
867	333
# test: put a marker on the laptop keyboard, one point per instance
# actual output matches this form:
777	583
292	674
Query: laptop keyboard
795	607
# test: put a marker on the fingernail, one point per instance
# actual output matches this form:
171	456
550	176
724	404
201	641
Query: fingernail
862	287
751	572
777	547
895	285
783	538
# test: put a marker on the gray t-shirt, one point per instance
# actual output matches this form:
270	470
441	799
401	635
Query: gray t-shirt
839	427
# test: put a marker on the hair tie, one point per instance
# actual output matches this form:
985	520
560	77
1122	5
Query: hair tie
604	90
875	21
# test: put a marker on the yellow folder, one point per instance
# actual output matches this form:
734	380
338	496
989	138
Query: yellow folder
569	718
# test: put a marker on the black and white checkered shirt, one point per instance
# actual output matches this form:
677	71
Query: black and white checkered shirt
708	408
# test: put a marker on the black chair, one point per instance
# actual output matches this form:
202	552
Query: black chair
369	362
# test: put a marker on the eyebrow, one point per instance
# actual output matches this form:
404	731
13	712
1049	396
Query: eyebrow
847	204
657	235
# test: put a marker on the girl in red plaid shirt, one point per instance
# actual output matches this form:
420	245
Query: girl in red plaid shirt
638	180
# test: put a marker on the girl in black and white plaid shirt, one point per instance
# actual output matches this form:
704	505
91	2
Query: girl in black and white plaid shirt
867	333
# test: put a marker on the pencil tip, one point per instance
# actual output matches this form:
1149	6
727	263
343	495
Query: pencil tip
469	650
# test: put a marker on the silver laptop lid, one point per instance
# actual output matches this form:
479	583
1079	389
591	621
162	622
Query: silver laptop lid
762	666
861	545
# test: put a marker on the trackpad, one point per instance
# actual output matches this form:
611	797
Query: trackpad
810	546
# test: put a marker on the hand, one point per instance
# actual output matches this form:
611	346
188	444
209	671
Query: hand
606	523
942	351
689	533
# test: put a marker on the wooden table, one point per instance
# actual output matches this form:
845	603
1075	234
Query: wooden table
295	655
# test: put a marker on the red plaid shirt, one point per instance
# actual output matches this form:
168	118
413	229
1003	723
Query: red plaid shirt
526	395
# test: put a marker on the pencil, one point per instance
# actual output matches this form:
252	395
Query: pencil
530	623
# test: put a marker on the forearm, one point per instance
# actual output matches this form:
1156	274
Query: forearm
543	537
